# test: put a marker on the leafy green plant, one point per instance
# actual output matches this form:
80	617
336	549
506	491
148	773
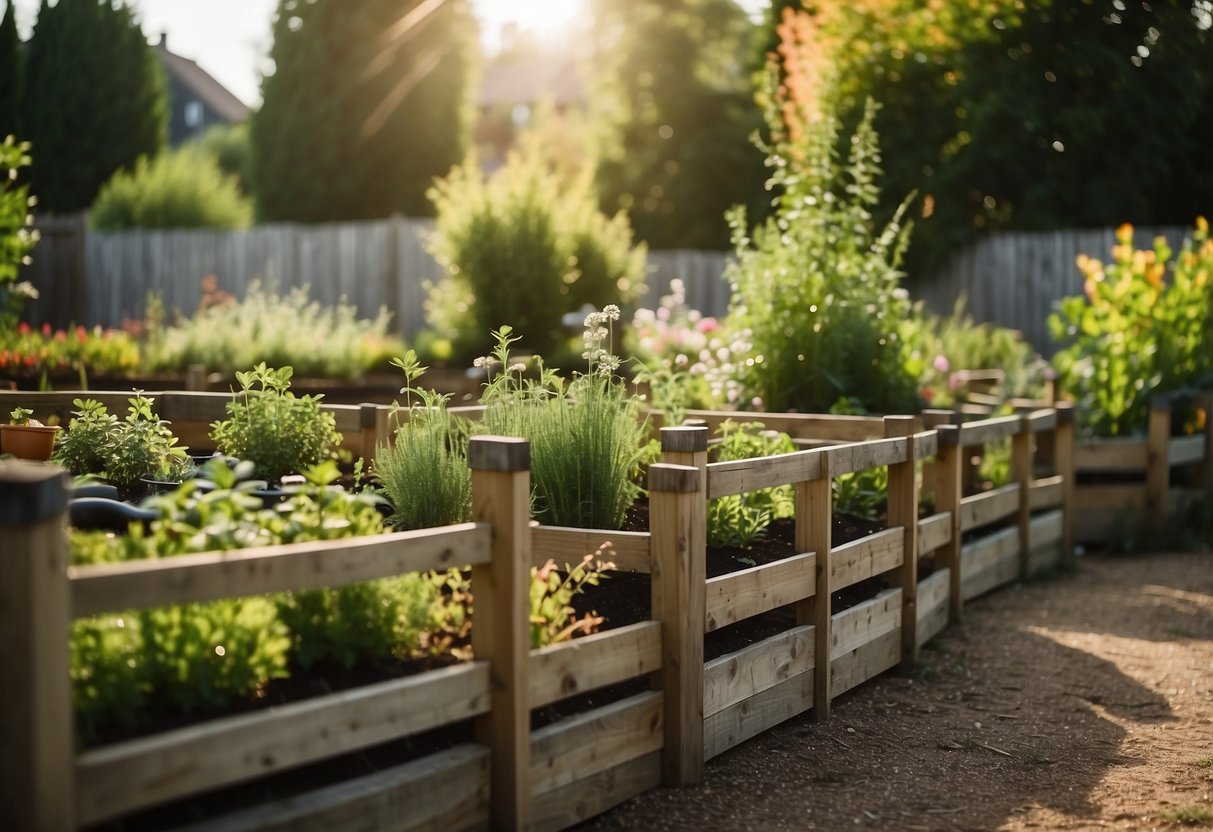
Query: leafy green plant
552	616
143	446
530	239
318	340
816	286
182	188
863	493
45	354
1141	328
81	449
740	520
587	440
281	433
424	471
20	416
17	234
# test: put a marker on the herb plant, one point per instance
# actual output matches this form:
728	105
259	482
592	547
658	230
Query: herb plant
279	432
82	448
552	616
741	520
143	446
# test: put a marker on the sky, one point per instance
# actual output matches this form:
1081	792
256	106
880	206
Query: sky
230	38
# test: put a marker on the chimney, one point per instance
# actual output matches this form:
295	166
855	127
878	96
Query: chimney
163	40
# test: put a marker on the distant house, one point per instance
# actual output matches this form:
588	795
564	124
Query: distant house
196	100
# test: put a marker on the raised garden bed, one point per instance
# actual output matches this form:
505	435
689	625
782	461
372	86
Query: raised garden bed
552	764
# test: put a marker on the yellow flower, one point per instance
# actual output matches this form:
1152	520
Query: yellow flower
1125	233
1202	225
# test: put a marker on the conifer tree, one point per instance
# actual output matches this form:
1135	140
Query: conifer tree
10	71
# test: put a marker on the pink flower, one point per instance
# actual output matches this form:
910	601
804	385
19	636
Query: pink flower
941	364
708	325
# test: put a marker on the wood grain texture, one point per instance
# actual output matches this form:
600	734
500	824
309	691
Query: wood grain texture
750	717
932	605
982	509
990	562
742	475
739	595
630	551
594	661
861	559
736	677
592	795
934	531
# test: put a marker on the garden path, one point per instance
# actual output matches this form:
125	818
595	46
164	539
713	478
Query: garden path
1081	702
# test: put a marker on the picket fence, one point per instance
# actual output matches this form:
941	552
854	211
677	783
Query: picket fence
510	776
1011	279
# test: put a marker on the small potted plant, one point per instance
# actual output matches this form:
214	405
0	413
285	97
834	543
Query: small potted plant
25	437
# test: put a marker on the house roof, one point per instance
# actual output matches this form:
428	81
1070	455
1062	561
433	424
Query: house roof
202	85
526	80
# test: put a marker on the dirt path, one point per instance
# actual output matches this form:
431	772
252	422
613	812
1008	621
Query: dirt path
1081	702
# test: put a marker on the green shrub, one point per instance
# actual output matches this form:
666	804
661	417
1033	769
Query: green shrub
586	438
1142	327
742	519
279	432
17	235
141	445
424	473
278	329
180	189
230	147
44	354
816	286
533	242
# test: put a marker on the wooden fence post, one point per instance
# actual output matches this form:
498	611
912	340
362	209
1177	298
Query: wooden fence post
932	419
903	511
1158	468
687	445
196	378
37	754
814	519
1063	464
678	523
1021	472
501	496
948	494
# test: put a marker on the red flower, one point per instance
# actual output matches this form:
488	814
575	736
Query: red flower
46	330
60	335
81	334
23	327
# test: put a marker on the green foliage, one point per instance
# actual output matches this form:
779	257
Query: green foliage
17	234
140	445
975	93
267	424
180	189
278	329
93	100
10	69
742	519
229	145
815	286
673	105
862	494
586	438
359	114
526	245
552	616
424	473
1142	327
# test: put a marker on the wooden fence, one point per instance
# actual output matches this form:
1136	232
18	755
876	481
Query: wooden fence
510	776
1012	278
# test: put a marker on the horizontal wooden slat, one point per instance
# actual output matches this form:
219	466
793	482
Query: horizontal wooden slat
932	609
742	475
1183	450
212	575
934	531
802	425
926	444
855	627
593	661
116	779
1045	535
1116	497
989	563
588	743
630	551
866	662
1096	455
750	717
1047	492
447	790
592	795
987	507
1040	421
989	430
860	559
739	595
860	456
739	676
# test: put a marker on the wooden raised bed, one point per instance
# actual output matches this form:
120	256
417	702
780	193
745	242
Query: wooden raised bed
1129	486
510	776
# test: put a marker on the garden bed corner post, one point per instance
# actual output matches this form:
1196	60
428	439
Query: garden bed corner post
1158	464
1022	473
814	518
678	524
37	758
903	511
501	493
1063	464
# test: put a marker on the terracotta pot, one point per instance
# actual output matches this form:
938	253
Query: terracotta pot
28	441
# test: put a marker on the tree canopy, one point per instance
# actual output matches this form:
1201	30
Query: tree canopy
673	103
367	103
93	99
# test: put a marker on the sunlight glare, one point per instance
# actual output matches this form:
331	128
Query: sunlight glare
536	16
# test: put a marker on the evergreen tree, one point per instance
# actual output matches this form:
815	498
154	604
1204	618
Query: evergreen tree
674	105
368	102
10	70
93	99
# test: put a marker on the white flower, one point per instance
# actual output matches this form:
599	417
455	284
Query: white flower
610	312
